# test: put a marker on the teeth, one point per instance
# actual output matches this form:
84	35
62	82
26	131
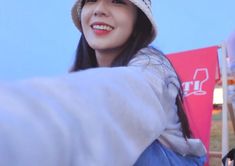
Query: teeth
102	27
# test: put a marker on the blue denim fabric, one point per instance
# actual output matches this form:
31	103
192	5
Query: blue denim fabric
158	155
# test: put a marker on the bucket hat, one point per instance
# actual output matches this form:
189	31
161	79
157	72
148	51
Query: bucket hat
144	5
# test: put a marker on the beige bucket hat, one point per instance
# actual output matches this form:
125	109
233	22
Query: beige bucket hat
144	5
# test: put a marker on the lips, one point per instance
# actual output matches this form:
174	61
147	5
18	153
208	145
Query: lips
101	28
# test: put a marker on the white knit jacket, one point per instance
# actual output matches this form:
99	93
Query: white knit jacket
94	117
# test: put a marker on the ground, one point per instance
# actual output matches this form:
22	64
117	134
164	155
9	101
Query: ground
215	144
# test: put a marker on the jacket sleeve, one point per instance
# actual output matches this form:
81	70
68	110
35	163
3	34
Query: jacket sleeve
103	116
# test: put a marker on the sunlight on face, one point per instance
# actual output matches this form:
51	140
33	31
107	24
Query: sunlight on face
107	25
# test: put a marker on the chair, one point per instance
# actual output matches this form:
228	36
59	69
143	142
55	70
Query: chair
198	70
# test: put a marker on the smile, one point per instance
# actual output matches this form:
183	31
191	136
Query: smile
103	27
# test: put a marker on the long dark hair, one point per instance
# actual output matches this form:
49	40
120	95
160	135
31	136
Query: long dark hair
140	38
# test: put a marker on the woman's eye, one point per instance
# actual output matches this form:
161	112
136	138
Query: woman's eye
119	1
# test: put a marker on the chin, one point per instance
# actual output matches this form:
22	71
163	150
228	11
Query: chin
98	46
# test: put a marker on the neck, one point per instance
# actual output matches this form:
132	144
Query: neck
105	58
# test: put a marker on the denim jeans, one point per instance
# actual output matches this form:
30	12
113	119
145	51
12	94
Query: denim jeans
158	155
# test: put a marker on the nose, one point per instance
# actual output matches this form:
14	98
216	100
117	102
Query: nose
101	9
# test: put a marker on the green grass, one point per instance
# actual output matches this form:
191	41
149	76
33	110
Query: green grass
215	141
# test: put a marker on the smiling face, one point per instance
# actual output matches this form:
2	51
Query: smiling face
107	25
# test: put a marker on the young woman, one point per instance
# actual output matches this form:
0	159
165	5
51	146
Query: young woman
117	33
124	109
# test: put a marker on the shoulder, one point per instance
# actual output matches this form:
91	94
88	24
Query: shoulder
151	56
155	61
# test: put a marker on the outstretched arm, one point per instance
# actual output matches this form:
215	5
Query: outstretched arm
95	117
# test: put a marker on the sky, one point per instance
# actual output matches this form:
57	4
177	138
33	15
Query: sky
38	38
